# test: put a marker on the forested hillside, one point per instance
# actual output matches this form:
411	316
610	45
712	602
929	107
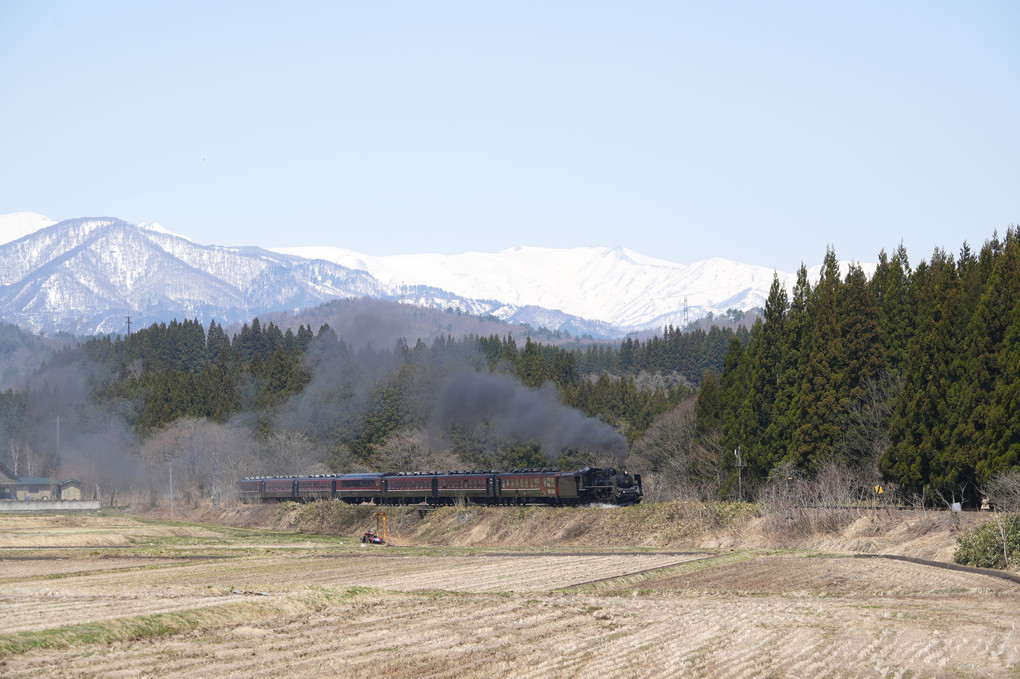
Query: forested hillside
269	400
913	376
907	381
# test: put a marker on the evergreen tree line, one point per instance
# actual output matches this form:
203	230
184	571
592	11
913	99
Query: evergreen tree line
910	377
175	370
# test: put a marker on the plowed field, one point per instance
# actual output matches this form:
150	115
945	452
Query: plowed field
184	601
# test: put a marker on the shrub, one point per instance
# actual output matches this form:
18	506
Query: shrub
993	545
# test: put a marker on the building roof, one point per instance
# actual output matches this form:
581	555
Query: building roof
35	482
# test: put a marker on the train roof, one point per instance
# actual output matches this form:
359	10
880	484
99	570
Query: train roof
451	472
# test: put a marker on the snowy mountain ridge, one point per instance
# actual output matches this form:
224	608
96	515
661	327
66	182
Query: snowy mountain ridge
614	285
85	275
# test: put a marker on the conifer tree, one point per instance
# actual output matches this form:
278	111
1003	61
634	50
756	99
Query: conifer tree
982	433
1003	451
765	362
919	430
531	366
217	343
563	370
862	338
896	310
734	388
822	397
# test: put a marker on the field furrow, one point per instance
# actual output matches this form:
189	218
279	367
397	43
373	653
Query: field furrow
330	610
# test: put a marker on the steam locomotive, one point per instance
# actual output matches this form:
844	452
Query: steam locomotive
519	487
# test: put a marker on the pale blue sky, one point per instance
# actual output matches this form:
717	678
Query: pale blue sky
756	131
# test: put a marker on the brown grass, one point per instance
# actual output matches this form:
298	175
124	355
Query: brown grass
299	606
667	525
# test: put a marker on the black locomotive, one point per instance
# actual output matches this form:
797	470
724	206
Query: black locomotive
519	487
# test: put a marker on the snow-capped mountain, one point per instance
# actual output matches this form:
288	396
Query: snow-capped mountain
615	286
86	275
18	224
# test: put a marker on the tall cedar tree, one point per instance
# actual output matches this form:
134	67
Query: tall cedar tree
765	358
982	433
789	377
1003	431
822	399
736	416
895	306
919	432
863	353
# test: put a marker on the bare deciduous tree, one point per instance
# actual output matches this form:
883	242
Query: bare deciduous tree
677	459
20	451
835	496
207	458
866	437
1003	493
408	450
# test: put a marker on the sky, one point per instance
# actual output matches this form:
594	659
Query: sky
757	132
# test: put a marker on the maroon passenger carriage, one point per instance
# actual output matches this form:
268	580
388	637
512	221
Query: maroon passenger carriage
518	487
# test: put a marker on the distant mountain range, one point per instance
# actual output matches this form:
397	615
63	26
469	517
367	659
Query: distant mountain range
86	276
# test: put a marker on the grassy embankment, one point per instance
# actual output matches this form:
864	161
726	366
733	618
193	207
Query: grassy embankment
669	525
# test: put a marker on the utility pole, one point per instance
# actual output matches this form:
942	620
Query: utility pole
740	469
129	324
789	502
215	479
170	464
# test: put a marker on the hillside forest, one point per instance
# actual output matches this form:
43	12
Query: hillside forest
121	411
905	382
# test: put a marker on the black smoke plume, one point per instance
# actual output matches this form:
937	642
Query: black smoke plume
514	412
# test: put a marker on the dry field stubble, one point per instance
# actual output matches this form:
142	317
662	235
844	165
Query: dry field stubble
109	596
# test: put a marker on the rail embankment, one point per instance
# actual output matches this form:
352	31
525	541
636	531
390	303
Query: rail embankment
917	533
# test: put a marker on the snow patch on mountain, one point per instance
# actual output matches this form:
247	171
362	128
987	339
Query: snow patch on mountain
20	224
158	228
